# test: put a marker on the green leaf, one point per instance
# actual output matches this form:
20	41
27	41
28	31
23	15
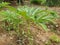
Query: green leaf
44	26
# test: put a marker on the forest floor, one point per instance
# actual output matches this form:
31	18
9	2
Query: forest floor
40	36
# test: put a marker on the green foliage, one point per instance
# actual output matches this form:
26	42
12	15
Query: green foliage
37	15
53	2
1	1
47	2
4	4
48	42
55	38
38	1
13	17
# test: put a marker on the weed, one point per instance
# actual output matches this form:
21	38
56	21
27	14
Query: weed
55	38
48	42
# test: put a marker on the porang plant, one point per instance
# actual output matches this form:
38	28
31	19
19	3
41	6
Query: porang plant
38	16
13	17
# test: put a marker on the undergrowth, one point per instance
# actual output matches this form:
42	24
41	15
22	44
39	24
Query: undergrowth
12	19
